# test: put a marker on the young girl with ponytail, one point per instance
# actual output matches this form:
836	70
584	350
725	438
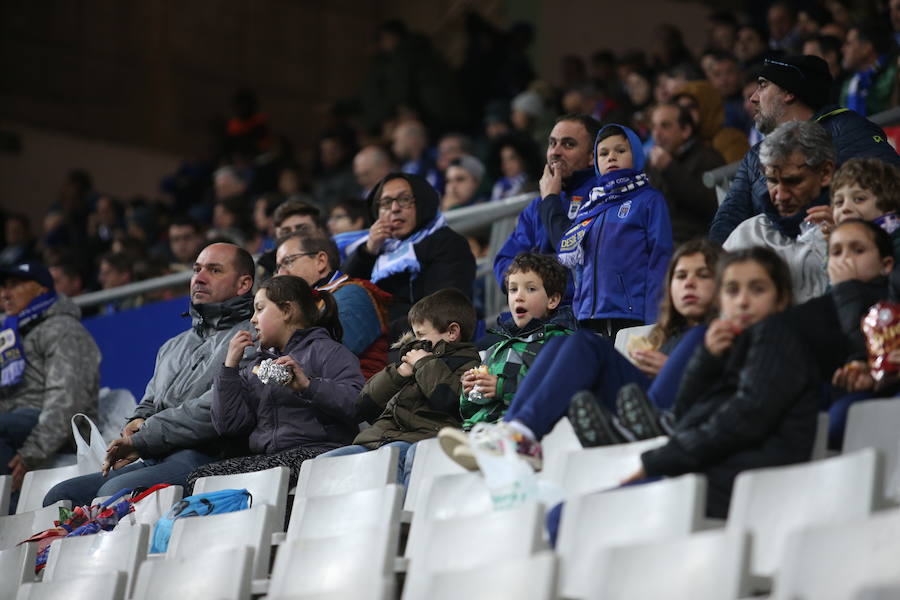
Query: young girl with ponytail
314	410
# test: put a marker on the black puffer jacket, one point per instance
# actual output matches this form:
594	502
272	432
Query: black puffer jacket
444	256
754	407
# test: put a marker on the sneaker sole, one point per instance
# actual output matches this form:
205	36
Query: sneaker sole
590	426
453	441
641	420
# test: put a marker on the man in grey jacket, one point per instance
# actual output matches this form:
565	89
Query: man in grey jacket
49	369
171	428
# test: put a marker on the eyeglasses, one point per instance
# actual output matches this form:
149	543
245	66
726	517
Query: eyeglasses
289	260
404	201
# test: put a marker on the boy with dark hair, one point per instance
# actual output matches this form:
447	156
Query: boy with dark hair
534	285
412	399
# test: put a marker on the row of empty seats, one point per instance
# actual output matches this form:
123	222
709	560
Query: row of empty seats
789	533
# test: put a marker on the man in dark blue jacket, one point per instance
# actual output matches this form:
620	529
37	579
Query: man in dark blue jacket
570	159
795	89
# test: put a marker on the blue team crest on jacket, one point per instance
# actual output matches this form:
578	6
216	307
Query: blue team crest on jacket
623	210
574	205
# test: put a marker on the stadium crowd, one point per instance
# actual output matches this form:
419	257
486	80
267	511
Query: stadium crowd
367	298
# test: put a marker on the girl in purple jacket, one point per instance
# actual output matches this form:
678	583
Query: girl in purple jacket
298	398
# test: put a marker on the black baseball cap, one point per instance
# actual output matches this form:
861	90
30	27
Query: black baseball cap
30	271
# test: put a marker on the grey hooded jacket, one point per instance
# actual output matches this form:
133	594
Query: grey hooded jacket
61	378
177	401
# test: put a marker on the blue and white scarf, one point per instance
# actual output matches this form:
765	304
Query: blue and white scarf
398	256
613	186
12	354
890	222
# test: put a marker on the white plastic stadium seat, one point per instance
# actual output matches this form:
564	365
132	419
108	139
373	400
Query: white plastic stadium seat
336	567
16	567
5	492
376	509
556	446
150	509
832	561
108	586
603	467
250	527
529	578
121	550
446	497
223	574
430	462
469	542
37	483
661	510
820	443
874	424
21	526
773	503
710	565
331	475
266	487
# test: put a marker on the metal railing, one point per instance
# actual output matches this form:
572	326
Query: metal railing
463	220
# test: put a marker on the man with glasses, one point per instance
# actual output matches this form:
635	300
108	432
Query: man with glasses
410	251
362	306
290	216
49	369
795	89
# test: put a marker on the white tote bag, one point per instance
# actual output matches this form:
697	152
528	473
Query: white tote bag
90	455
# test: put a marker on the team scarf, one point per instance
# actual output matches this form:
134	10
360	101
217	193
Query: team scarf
398	256
12	353
858	88
890	222
613	187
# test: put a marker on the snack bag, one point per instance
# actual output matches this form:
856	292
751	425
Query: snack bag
881	325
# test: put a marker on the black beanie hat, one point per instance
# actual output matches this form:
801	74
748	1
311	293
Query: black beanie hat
807	77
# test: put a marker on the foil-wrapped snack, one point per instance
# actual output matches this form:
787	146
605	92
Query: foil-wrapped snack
270	372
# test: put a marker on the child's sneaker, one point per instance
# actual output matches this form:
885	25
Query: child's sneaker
489	437
455	444
637	413
594	425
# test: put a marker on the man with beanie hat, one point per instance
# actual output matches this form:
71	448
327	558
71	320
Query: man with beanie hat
464	177
795	88
49	369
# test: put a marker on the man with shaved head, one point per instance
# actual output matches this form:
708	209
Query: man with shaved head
171	428
371	165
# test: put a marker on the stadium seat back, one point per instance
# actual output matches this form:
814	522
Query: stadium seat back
16	567
224	574
266	487
106	586
529	578
874	424
660	510
21	526
430	462
601	468
773	503
332	475
38	482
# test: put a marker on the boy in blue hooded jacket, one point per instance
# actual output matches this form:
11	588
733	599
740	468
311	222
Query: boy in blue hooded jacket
619	243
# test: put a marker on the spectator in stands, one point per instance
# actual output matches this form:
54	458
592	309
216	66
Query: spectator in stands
750	47
290	184
49	370
290	216
721	31
185	241
463	180
708	111
828	48
232	220
348	223
362	306
669	48
810	19
791	89
410	251
527	114
412	399
872	70
229	182
104	223
655	366
866	189
758	408
334	177
725	76
450	147
68	277
20	244
569	153
515	165
117	269
171	428
619	242
782	20
371	165
410	146
798	159
282	431
263	209
535	286
678	161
